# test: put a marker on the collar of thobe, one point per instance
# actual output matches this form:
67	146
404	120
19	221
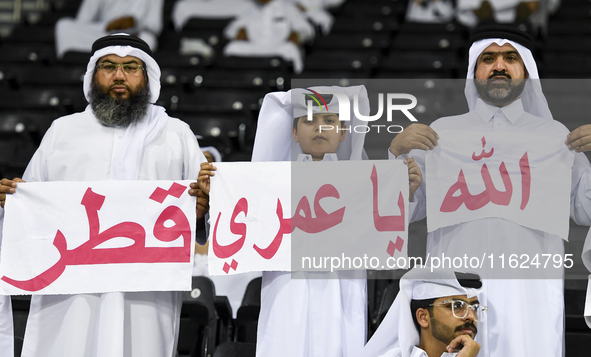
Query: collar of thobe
327	157
126	159
511	112
418	352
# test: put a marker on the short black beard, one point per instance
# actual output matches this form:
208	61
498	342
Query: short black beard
118	112
441	331
499	94
445	333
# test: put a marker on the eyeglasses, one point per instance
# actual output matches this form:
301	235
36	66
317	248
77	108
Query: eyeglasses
127	68
459	309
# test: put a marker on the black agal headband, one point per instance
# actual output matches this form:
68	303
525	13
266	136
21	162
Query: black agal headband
121	40
501	31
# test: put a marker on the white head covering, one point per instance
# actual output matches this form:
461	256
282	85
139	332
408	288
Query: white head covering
397	334
122	51
534	101
127	157
274	139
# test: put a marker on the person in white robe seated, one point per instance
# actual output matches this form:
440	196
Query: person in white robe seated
430	11
473	12
270	28
98	18
315	11
435	314
120	136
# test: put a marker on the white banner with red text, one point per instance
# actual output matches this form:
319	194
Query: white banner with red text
524	178
306	216
96	237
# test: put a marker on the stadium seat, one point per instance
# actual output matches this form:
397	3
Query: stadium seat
429	42
427	64
20	313
19	139
354	41
50	77
248	314
235	349
234	128
263	80
373	9
350	24
33	52
198	327
355	63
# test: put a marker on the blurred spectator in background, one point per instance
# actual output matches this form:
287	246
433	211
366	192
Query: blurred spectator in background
98	18
435	11
270	28
315	11
472	12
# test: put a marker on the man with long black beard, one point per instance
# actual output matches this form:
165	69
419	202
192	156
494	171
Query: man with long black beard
118	111
120	136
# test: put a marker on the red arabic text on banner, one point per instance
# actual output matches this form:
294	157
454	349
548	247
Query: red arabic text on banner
267	216
94	237
524	178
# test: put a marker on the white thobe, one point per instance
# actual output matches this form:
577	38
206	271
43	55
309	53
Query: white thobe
315	12
435	11
121	324
504	10
267	28
6	328
587	261
532	308
312	313
94	15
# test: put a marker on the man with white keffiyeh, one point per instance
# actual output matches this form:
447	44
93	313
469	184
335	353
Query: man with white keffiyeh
436	313
504	94
120	136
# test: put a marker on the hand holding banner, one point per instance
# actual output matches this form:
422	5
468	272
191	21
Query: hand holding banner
519	177
294	216
93	237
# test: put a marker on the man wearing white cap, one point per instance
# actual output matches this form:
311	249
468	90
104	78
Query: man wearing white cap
435	314
120	136
504	94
